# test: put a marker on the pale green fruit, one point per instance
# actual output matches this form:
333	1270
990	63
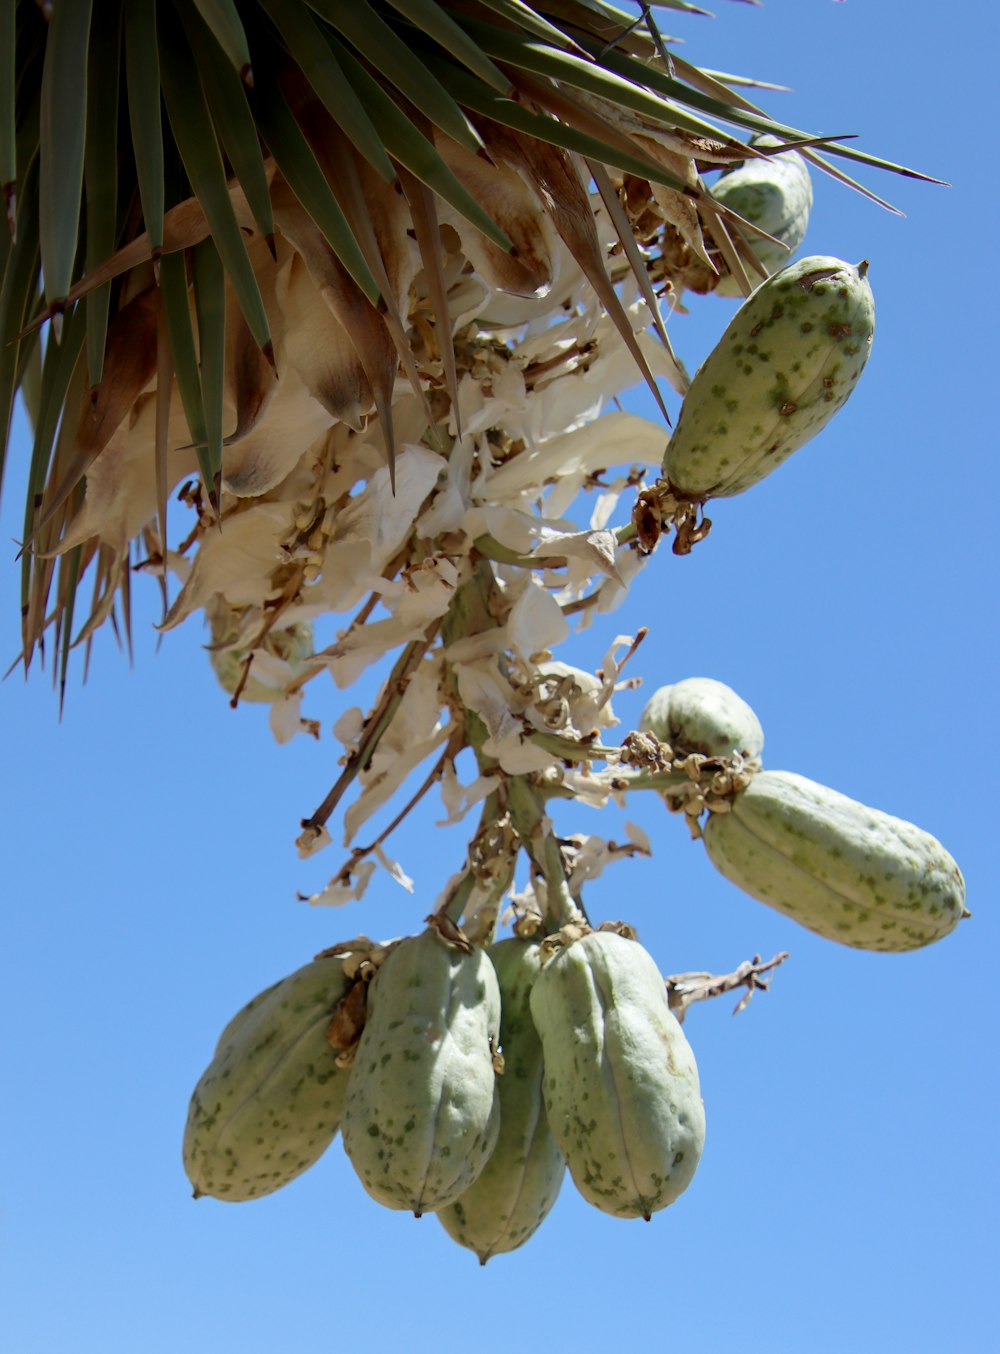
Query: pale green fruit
621	1084
702	715
520	1183
845	871
422	1110
269	1103
787	362
774	193
279	658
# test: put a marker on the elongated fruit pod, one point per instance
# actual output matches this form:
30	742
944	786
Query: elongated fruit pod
845	871
269	1103
774	193
520	1183
787	362
422	1110
702	715
621	1084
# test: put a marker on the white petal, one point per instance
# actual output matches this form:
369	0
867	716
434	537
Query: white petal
536	622
337	892
286	717
638	837
395	869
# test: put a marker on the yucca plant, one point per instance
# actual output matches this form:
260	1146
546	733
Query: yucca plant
353	281
270	217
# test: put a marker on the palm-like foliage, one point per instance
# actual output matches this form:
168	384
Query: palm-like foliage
220	199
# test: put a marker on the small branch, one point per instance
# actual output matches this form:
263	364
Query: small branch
474	896
452	749
376	724
683	989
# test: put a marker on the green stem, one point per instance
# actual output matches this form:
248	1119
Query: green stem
535	831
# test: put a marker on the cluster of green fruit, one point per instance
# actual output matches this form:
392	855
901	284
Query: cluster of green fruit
466	1079
479	1075
847	872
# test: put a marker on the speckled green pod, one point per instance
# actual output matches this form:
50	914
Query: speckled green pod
621	1084
520	1183
845	871
702	715
787	362
773	193
278	659
269	1103
422	1110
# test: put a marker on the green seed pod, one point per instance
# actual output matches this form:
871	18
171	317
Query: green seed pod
422	1110
269	1103
621	1084
241	1017
520	1183
845	871
773	193
787	362
278	659
702	715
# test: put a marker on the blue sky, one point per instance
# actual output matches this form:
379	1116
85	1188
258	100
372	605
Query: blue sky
848	1194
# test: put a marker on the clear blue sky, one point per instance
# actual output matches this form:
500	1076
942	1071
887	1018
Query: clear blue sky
847	1198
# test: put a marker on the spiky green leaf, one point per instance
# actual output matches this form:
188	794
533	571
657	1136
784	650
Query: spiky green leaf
298	165
142	75
372	37
222	17
319	65
195	136
209	280
100	175
405	144
63	120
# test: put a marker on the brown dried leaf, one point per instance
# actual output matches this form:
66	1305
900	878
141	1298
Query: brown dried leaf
529	270
250	378
183	226
366	353
348	1021
129	366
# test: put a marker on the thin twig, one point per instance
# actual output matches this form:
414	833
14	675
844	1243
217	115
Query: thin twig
452	749
378	721
683	989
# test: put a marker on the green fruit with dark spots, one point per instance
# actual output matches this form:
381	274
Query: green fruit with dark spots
269	1103
702	715
520	1183
422	1110
848	872
621	1084
774	193
788	361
